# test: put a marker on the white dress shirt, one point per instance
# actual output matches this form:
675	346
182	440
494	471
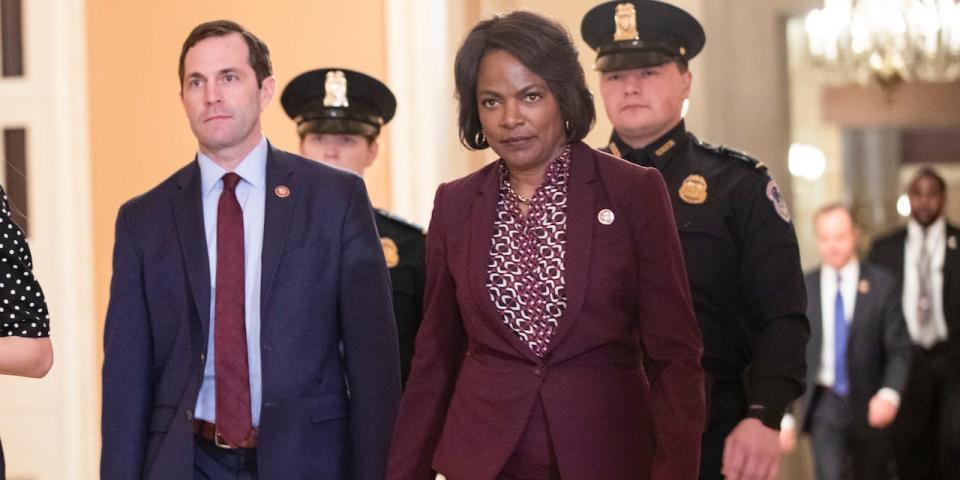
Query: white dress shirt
251	195
936	246
850	277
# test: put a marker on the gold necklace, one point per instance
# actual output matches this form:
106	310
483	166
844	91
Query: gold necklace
520	198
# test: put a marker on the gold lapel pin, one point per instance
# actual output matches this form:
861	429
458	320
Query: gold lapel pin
282	191
605	216
952	242
863	287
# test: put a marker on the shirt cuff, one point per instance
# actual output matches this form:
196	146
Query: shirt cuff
890	395
769	397
788	422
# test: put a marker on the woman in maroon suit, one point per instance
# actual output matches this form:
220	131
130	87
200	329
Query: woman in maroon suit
558	339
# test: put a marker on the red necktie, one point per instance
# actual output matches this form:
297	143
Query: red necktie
230	336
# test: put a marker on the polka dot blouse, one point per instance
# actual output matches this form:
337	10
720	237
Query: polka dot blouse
23	310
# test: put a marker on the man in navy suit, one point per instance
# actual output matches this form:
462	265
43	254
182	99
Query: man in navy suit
857	357
249	332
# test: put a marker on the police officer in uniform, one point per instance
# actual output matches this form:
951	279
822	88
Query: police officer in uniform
339	113
739	243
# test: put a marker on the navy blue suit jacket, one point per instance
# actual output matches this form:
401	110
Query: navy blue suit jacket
878	346
327	411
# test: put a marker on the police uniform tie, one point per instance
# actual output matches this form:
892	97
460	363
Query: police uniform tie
840	385
234	424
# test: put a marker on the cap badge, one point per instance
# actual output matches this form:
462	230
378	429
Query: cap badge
693	190
625	19
336	88
605	216
390	252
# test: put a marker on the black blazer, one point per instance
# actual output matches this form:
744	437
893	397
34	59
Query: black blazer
878	348
888	252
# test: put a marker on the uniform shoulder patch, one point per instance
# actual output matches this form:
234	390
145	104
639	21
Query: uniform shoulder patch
776	198
732	153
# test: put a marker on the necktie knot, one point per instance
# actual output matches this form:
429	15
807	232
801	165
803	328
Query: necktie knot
230	181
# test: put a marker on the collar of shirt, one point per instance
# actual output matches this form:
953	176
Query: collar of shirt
656	152
848	273
252	169
936	234
556	179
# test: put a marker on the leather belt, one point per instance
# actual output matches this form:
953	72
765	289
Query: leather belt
208	431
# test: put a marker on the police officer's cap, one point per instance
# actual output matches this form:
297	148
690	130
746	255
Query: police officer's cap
338	100
640	33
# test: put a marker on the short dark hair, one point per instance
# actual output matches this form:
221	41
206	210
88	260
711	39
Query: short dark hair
543	47
259	54
932	174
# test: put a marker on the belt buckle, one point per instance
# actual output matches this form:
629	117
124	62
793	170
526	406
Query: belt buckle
217	441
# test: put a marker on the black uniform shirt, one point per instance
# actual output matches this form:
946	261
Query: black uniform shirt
743	264
403	248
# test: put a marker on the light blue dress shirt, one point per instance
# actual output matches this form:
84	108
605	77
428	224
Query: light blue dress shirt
251	194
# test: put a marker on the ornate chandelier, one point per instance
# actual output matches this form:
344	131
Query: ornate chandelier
886	41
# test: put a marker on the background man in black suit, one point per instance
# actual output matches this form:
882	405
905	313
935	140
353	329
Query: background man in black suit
924	259
858	357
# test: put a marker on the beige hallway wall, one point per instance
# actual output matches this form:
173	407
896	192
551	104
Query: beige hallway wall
139	134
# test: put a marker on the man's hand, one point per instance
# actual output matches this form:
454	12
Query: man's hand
751	452
881	412
788	439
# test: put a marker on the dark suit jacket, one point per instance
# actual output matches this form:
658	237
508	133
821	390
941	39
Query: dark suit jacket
403	246
878	345
323	282
622	386
888	252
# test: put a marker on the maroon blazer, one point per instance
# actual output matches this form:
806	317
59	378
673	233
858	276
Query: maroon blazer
622	386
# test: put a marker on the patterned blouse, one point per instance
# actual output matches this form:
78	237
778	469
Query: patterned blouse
23	310
525	276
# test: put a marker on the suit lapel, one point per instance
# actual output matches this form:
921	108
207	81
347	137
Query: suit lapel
581	219
482	217
580	206
901	249
951	280
815	313
951	259
188	211
276	221
861	306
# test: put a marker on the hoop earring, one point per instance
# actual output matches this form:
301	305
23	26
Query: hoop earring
481	139
566	128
